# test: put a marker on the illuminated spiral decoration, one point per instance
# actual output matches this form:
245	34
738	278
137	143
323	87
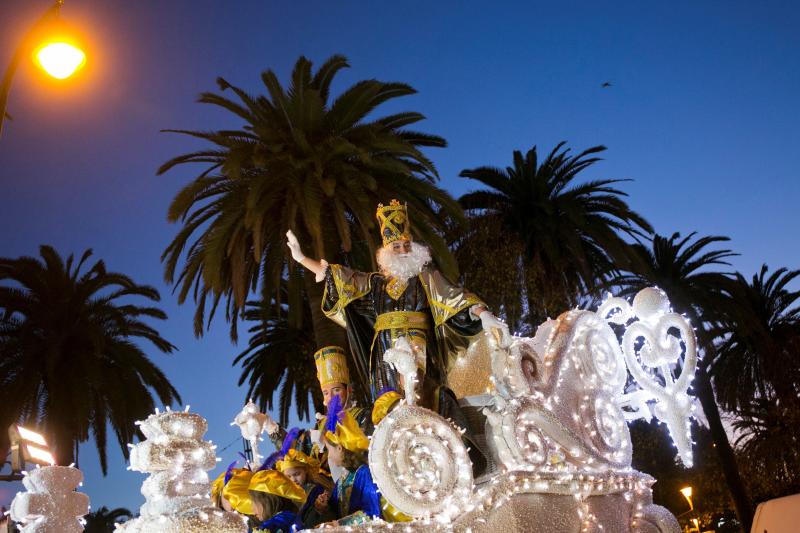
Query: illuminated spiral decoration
528	442
599	354
609	432
598	357
420	464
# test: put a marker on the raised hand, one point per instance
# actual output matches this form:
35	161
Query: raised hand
294	247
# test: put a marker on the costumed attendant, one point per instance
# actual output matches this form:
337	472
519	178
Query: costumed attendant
334	380
216	489
355	497
306	472
275	499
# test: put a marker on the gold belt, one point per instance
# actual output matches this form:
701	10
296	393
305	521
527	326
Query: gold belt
401	320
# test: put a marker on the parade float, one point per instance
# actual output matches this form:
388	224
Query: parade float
551	413
492	432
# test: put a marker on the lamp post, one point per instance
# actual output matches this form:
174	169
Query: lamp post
687	493
56	56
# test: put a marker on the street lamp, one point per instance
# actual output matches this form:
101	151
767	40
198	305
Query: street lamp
27	446
687	493
58	55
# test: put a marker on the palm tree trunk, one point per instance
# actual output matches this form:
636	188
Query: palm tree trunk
64	448
727	459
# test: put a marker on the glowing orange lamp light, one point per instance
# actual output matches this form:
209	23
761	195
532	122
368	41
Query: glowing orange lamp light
60	59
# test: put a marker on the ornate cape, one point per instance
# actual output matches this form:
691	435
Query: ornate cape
355	300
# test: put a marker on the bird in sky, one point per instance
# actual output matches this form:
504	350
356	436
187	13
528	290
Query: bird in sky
606	84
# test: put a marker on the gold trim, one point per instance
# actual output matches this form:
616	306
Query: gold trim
401	320
345	293
396	287
331	364
442	312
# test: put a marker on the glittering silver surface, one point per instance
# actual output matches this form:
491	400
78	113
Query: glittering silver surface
519	502
199	520
555	422
567	417
51	504
177	491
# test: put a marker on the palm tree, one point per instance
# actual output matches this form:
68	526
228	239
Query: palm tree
70	361
303	161
559	237
103	519
758	357
278	356
768	436
654	454
680	268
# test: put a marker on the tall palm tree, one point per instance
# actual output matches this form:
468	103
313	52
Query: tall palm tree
759	354
103	519
278	356
303	161
70	359
539	227
683	268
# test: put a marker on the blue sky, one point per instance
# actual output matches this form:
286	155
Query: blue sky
702	115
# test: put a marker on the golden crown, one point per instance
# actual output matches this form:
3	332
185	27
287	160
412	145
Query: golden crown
331	364
395	225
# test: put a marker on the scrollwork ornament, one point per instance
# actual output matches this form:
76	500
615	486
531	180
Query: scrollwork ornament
420	464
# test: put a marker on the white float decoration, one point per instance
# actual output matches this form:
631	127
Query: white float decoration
252	423
177	491
402	357
422	463
51	504
660	343
556	424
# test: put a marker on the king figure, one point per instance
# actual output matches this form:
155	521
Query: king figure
408	297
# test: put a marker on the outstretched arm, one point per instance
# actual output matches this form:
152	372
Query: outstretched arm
491	323
317	267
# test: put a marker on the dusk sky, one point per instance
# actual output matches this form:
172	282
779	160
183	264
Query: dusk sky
703	115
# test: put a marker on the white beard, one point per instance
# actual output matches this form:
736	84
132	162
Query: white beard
403	266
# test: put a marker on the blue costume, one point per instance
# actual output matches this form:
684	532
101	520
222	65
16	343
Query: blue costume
355	497
283	522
